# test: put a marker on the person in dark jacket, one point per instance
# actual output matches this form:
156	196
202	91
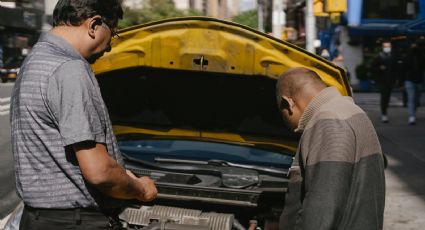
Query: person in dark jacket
385	76
413	75
336	180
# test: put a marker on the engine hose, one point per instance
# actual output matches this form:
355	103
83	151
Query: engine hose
237	225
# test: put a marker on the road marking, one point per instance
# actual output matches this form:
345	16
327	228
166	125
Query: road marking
7	84
4	221
4	100
4	109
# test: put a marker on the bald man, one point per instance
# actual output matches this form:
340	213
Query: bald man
337	177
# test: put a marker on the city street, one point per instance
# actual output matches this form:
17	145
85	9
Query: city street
184	71
403	144
8	198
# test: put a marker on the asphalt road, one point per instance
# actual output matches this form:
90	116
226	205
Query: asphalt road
8	197
403	144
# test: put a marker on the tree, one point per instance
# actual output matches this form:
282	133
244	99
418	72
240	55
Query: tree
153	10
247	18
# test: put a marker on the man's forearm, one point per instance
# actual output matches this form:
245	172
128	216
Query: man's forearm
100	170
118	184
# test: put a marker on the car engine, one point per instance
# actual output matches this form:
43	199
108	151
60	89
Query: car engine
212	194
163	217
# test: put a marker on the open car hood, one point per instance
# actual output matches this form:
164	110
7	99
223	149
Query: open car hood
203	78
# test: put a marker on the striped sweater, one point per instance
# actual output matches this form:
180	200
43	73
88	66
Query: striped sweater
337	177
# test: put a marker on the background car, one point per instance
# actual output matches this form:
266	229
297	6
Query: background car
11	68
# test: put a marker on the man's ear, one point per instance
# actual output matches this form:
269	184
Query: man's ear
290	103
92	23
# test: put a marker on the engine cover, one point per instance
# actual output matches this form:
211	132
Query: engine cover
154	215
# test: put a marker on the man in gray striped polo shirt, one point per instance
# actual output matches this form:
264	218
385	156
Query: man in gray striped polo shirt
337	177
69	171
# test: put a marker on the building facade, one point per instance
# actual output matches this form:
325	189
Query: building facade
223	9
134	4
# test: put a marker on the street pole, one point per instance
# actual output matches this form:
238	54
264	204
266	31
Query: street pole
279	18
260	15
310	26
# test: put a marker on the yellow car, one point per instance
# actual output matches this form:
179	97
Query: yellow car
193	105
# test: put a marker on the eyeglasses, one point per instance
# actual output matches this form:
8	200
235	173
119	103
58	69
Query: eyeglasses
113	32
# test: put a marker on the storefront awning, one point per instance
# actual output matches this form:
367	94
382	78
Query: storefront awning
416	27
389	28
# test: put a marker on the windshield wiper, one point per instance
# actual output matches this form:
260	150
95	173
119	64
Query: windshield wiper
230	177
222	163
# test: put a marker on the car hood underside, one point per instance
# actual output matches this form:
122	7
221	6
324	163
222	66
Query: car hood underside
203	78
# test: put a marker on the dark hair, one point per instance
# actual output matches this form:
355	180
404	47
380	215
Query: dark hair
74	12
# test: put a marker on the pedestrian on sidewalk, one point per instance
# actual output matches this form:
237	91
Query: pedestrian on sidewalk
413	76
336	180
69	170
386	76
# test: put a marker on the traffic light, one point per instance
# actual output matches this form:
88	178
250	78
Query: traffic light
318	9
335	6
324	8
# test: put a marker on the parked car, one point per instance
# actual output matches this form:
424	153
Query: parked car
11	68
193	105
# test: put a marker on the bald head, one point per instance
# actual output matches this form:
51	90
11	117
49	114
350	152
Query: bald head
294	90
298	82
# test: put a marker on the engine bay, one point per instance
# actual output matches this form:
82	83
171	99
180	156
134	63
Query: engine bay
207	197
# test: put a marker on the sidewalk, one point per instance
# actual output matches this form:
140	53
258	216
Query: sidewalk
404	146
410	139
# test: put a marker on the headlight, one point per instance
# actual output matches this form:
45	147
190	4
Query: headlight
12	75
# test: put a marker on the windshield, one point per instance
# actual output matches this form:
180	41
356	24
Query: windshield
14	62
149	150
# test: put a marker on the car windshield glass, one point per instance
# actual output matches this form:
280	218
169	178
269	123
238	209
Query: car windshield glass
13	62
150	150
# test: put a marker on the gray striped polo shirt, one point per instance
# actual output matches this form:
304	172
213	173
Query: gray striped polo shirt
56	102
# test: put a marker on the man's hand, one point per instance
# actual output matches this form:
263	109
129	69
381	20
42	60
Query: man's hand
147	185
